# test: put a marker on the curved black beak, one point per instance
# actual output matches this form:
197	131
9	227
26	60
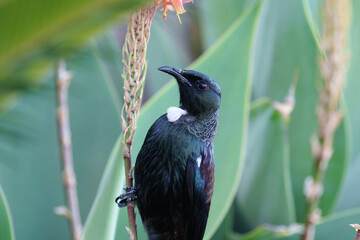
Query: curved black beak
176	73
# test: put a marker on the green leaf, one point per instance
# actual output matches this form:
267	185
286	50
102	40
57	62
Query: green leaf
337	226
102	220
95	123
30	165
265	194
168	46
67	23
312	10
38	32
215	17
264	233
284	46
234	79
333	227
108	54
226	226
285	49
6	225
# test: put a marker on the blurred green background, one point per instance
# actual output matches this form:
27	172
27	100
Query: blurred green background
254	49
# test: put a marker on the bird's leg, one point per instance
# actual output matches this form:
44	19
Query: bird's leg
124	198
131	173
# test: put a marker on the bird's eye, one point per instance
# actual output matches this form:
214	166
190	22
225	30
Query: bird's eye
202	86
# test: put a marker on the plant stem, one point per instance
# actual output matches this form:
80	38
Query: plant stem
333	69
357	235
134	60
357	228
69	178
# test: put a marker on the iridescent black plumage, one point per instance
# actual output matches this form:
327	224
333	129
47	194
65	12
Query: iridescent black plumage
174	170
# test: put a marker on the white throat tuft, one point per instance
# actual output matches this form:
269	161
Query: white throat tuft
198	161
174	113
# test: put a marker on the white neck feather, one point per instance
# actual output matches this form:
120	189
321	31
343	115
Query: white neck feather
174	113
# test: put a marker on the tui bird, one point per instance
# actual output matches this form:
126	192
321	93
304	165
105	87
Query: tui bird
174	170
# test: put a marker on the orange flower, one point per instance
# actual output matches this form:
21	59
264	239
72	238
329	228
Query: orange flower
173	5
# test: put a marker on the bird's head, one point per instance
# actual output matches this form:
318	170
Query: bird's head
199	94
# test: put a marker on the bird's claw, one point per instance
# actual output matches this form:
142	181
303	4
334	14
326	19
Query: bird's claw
123	202
129	196
129	189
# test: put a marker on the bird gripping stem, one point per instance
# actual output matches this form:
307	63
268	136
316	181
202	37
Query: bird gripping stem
134	71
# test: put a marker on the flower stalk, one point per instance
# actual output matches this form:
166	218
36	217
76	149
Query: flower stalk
333	69
134	71
72	211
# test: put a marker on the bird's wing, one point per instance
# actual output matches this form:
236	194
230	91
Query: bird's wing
199	189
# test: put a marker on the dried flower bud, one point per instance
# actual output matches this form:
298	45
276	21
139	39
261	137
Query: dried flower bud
312	189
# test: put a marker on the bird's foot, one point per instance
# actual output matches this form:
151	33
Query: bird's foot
129	196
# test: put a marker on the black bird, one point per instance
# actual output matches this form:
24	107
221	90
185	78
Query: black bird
174	170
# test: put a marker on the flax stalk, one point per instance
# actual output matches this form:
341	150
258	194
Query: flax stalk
333	69
73	213
134	60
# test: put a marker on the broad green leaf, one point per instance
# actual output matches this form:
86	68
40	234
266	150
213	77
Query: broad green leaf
265	194
264	233
337	226
95	122
57	27
233	76
37	33
312	10
108	52
169	45
226	226
6	225
217	16
334	227
102	220
30	166
285	48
